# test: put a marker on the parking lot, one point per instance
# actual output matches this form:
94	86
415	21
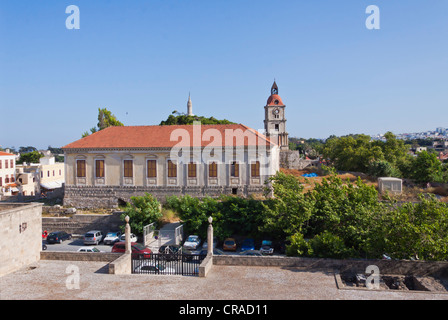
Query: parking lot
74	244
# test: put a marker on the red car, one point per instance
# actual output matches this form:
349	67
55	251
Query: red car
138	250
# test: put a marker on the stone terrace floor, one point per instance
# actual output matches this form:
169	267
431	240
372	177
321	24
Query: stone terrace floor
46	280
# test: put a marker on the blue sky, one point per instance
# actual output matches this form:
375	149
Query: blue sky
141	58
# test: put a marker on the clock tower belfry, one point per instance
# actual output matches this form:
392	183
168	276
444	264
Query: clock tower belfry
274	119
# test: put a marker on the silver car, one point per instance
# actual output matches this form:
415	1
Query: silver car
93	237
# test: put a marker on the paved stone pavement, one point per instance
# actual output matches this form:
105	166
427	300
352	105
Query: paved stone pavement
47	280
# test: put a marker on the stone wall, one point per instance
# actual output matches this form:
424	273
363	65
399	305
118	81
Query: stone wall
21	234
79	256
292	160
79	224
122	265
19	198
404	267
112	196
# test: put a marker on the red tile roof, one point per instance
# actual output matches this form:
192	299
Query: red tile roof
273	98
130	137
6	154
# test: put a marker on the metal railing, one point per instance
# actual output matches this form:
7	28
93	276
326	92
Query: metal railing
168	264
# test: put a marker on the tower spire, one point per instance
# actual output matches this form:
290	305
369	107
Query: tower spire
189	105
274	88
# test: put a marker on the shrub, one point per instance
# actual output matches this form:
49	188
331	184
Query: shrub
142	210
328	245
299	246
383	168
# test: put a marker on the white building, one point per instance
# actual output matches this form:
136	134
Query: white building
8	186
38	178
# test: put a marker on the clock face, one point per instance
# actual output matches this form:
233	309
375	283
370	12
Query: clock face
276	111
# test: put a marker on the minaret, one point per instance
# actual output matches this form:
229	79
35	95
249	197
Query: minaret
189	106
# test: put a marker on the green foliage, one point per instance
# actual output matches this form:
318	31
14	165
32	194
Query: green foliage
193	212
105	119
427	168
341	219
328	245
183	119
30	157
289	210
299	247
231	215
377	158
352	153
356	152
383	168
344	208
142	210
412	230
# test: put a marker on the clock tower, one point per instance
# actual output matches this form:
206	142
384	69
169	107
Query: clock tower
274	119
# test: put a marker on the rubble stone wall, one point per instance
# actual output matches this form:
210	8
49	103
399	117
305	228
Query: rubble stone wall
112	196
292	160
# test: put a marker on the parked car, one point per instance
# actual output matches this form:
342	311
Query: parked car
229	245
89	249
266	247
138	250
112	237
58	237
251	253
248	244
132	236
151	267
93	237
192	242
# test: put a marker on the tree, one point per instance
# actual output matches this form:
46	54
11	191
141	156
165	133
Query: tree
411	230
383	168
328	245
30	157
427	168
193	212
142	210
183	119
344	208
27	149
287	212
231	215
105	119
352	153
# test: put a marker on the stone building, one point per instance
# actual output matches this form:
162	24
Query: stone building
275	119
111	165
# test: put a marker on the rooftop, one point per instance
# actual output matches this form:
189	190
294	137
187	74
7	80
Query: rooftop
232	135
